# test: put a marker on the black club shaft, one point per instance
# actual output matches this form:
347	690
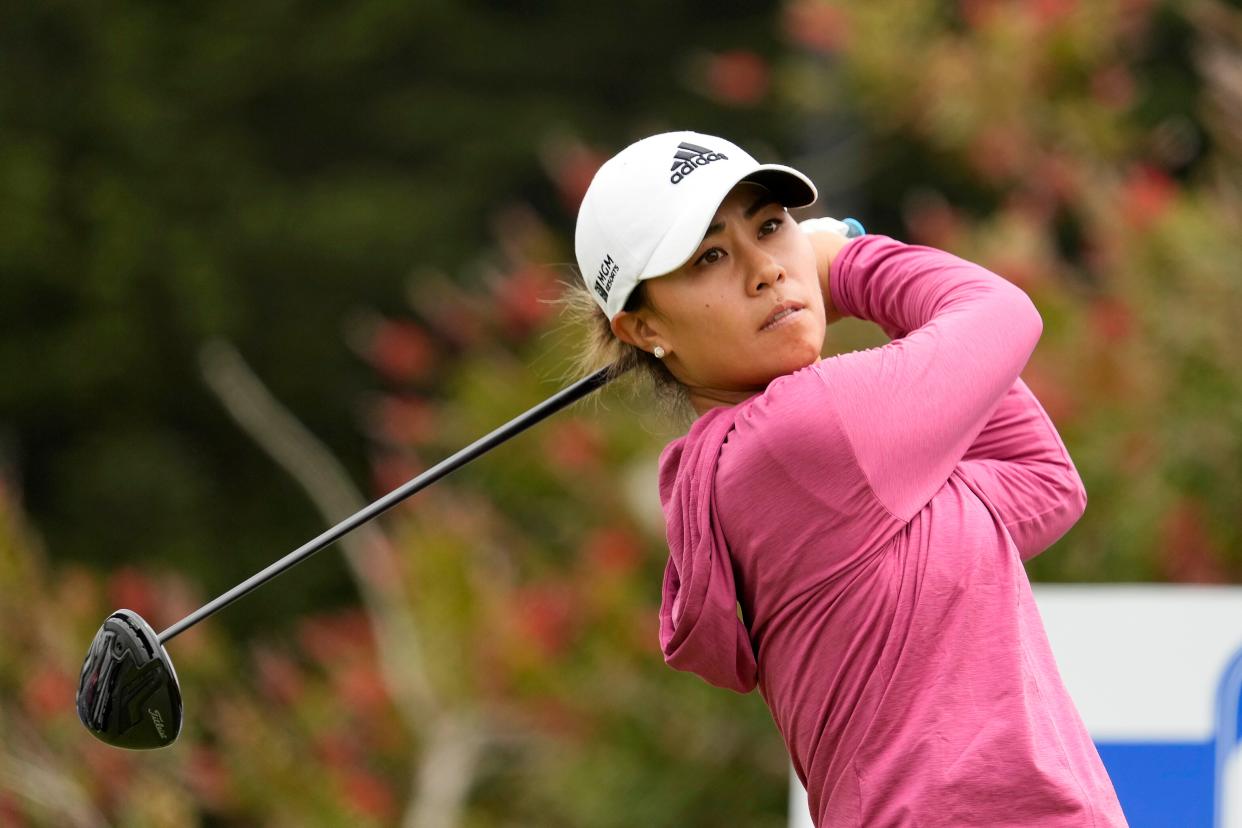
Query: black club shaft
556	402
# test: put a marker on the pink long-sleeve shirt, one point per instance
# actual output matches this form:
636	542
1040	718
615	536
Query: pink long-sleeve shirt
870	514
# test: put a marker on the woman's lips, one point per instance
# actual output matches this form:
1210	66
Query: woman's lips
781	314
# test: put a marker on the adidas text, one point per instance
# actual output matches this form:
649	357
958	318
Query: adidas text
690	164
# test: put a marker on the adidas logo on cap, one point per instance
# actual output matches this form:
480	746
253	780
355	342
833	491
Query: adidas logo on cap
689	157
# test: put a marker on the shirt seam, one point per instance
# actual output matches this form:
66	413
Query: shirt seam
863	470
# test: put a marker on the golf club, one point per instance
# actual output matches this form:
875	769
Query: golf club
128	695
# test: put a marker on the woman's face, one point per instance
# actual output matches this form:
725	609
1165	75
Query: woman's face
712	315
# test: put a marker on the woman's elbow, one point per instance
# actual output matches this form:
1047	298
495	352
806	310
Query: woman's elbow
1071	494
1067	504
1073	507
1078	498
1016	316
1029	321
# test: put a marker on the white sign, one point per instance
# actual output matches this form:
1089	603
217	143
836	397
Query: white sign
1156	673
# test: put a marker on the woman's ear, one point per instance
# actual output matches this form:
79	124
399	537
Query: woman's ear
633	329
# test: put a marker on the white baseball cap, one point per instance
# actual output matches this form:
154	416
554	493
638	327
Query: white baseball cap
649	206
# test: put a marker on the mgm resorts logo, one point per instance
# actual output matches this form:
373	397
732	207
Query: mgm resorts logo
607	274
688	157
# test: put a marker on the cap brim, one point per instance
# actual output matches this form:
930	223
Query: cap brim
791	188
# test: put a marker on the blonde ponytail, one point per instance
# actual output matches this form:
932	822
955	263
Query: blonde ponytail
602	348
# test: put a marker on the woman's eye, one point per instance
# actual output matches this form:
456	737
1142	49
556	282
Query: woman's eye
711	256
770	226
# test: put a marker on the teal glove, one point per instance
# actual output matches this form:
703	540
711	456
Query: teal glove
850	228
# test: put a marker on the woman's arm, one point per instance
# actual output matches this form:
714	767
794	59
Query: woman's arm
1022	467
913	408
827	245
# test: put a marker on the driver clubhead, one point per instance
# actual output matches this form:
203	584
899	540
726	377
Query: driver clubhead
128	695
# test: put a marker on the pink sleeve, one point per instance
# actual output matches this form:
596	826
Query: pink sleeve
1024	470
912	408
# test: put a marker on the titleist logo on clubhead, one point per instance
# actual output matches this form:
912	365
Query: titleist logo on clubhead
606	276
690	157
158	721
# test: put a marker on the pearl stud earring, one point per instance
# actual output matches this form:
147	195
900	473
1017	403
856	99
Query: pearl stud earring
659	352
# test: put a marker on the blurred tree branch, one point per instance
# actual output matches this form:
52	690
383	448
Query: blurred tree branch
451	740
1219	58
40	779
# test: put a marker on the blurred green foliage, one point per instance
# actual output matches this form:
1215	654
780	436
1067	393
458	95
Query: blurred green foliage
1091	153
261	171
528	585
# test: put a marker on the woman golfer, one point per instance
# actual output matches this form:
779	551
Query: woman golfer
869	512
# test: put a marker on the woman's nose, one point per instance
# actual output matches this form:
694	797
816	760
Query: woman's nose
765	273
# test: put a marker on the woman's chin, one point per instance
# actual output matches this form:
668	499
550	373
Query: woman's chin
772	369
800	357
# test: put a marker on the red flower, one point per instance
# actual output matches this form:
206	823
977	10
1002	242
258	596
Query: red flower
11	813
1187	550
492	660
106	762
1113	86
815	25
1052	391
521	298
1112	319
559	718
48	692
544	615
738	77
336	748
279	677
333	639
611	550
1058	174
361	686
573	445
129	589
1138	453
645	630
380	563
401	351
978	14
1001	152
403	419
1133	22
455	319
572	166
931	219
177	599
1146	196
208	777
1101	254
369	794
1024	273
1033	203
391	470
1050	12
